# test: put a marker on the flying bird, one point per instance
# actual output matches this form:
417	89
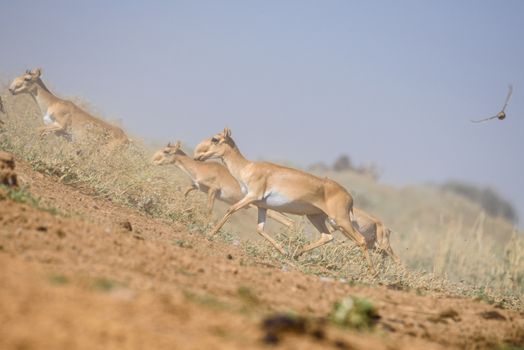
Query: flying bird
500	115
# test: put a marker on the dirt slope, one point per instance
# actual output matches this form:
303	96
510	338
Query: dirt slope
99	275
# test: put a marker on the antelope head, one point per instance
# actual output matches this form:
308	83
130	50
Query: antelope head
166	154
26	82
215	147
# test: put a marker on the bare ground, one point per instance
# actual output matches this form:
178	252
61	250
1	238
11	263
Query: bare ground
100	275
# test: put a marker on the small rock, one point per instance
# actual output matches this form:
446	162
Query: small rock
7	170
444	315
493	315
126	225
230	257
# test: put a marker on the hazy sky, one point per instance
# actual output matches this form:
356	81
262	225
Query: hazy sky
387	82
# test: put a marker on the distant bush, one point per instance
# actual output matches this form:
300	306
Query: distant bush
344	163
491	201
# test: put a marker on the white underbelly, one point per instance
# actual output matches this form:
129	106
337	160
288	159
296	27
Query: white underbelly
279	202
48	119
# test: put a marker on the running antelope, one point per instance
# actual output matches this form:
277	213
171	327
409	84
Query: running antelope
377	235
63	117
283	189
211	178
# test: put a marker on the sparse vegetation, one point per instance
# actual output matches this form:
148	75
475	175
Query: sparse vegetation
352	312
22	195
125	176
58	279
447	243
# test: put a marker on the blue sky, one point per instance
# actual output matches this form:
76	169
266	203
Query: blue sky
387	82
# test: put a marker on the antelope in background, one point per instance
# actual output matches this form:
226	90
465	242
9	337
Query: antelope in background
63	117
377	235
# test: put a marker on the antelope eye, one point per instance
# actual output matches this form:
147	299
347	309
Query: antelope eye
214	140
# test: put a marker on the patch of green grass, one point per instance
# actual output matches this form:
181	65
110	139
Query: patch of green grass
247	295
356	313
58	279
207	300
22	195
482	295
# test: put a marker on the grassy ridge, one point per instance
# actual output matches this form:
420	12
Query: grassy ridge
446	243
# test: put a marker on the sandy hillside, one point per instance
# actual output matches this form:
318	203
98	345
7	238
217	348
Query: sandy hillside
83	272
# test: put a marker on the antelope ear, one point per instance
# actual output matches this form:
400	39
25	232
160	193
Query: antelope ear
169	145
177	144
227	132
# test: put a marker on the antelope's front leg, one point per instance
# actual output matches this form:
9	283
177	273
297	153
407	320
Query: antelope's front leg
260	229
48	129
211	195
192	188
244	202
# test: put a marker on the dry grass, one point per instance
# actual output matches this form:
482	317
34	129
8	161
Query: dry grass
124	176
447	244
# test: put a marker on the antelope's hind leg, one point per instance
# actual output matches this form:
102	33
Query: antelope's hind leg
319	221
244	202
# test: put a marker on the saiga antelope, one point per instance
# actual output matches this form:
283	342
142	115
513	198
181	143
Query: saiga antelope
377	235
271	186
63	117
209	177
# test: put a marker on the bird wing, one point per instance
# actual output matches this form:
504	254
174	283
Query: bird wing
510	87
484	120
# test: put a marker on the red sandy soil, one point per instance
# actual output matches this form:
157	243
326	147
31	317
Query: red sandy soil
81	279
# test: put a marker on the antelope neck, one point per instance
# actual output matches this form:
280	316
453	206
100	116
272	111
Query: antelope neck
43	97
187	164
234	161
